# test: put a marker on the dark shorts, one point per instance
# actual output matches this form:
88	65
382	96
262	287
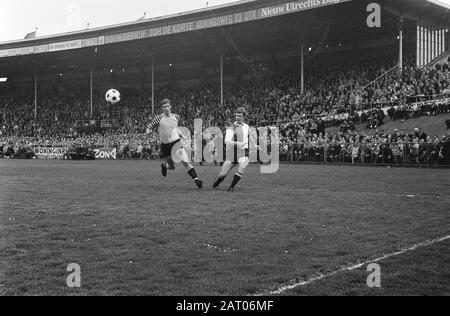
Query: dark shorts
166	149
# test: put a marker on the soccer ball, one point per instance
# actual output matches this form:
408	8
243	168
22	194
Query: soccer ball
112	96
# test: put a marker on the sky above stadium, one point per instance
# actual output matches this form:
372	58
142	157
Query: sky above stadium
20	17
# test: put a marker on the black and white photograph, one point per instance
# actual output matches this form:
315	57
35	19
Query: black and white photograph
227	156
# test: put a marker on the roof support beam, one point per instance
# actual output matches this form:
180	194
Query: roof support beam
221	79
153	84
35	95
302	65
91	88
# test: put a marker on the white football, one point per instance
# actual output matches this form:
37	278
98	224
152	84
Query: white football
112	96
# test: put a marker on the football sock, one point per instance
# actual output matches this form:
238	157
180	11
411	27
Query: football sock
237	178
219	181
164	170
170	164
193	174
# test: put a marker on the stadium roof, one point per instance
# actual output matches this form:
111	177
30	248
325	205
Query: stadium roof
440	3
248	23
136	23
205	13
189	15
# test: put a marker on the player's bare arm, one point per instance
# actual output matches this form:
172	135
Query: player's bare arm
254	140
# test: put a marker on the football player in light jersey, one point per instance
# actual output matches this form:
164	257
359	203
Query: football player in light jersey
170	137
237	150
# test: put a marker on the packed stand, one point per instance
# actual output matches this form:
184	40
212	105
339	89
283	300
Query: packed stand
336	96
377	147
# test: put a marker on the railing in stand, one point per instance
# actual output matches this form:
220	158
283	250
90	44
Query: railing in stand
381	76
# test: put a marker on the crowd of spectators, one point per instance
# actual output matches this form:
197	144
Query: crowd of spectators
378	147
336	96
409	85
129	146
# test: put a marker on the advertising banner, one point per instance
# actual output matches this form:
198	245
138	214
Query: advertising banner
224	20
55	47
105	153
50	152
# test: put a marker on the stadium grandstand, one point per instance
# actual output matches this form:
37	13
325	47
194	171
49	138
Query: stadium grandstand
317	68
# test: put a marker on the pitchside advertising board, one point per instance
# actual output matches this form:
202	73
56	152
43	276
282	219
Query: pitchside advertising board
219	21
105	153
50	152
61	152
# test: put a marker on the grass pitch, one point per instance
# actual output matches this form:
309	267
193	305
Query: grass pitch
134	233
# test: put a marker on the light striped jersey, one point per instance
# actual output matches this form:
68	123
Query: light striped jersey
167	126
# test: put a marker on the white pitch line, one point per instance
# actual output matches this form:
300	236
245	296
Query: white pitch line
292	286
